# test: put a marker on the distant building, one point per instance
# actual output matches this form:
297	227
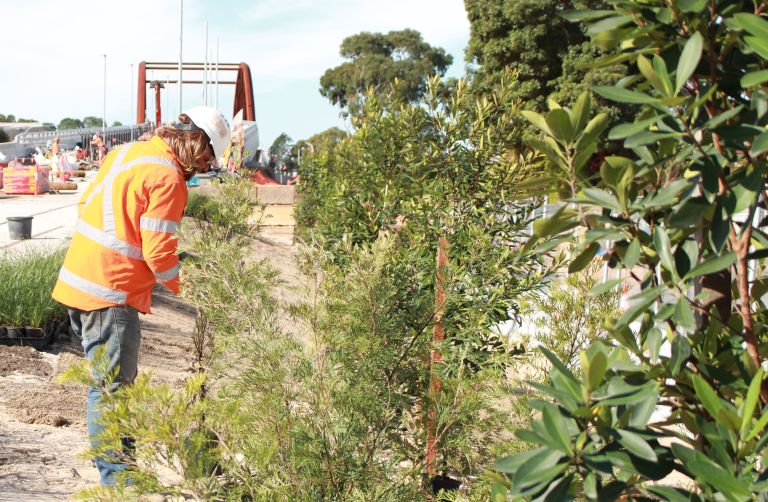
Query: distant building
12	129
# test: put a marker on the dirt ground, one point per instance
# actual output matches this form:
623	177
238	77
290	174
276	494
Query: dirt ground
42	423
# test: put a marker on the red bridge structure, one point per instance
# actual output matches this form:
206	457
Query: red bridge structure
243	87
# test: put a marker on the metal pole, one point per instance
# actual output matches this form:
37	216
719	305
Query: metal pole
217	72
104	100
205	68
181	45
130	116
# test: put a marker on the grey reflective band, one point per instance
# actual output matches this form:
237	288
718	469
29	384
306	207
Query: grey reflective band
109	241
100	186
93	289
158	225
169	274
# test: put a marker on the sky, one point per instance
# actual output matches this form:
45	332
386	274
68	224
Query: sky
53	63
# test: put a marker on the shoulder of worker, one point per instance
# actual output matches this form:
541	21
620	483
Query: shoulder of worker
156	162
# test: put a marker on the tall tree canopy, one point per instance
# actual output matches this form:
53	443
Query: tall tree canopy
549	53
70	123
91	121
377	59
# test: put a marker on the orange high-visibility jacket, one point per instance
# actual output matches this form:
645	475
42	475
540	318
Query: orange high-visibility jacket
125	239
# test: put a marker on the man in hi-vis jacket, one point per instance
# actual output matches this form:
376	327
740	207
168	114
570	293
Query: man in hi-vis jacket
125	241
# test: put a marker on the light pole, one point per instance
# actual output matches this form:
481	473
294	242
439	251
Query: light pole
181	43
130	108
104	101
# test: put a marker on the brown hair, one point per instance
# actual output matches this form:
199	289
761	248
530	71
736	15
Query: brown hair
187	146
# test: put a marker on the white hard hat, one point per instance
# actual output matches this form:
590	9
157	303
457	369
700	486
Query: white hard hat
215	126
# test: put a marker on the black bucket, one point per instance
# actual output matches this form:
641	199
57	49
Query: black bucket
20	227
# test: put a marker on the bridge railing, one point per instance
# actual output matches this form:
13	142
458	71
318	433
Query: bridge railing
69	138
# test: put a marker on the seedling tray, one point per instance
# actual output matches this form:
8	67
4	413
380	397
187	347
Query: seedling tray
37	338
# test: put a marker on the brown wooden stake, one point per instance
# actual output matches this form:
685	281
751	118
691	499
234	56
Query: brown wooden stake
438	335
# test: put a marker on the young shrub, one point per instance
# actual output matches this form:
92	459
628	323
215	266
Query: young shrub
681	387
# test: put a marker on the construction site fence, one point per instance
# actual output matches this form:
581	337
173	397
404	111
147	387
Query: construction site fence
24	144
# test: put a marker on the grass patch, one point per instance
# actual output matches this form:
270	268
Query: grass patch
26	281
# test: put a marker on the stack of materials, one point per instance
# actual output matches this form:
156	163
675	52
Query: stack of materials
25	179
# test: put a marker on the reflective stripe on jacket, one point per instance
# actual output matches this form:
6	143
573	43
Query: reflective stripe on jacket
125	238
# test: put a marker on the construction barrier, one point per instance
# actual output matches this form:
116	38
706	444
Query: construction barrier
25	179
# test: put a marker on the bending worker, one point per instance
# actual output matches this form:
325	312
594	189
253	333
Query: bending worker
125	241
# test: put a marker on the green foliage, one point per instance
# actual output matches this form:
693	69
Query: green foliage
676	217
70	123
12	118
26	281
116	123
565	319
281	147
91	121
3	136
376	60
327	140
549	55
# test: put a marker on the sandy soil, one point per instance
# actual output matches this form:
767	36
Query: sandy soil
42	423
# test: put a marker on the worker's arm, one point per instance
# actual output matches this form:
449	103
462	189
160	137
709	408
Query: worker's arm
158	225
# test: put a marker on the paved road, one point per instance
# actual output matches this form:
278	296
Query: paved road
54	217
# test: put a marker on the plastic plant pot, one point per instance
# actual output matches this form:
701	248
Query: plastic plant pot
444	483
20	227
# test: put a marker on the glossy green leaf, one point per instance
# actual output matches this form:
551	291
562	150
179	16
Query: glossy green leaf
632	254
723	117
545	457
594	129
653	341
660	67
590	485
636	445
607	24
643	138
753	24
664	248
537	120
636	308
750	402
646	68
625	130
706	395
708	472
759	45
555	425
692	5
604	287
760	144
671	494
602	198
586	15
681	351
623	95
759	427
712	265
689	60
559	123
557	364
684	315
598	365
754	78
580	112
584	258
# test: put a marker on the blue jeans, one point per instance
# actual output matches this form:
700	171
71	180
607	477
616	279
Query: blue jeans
115	330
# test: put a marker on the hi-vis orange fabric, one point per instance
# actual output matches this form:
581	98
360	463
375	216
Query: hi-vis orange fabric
125	238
